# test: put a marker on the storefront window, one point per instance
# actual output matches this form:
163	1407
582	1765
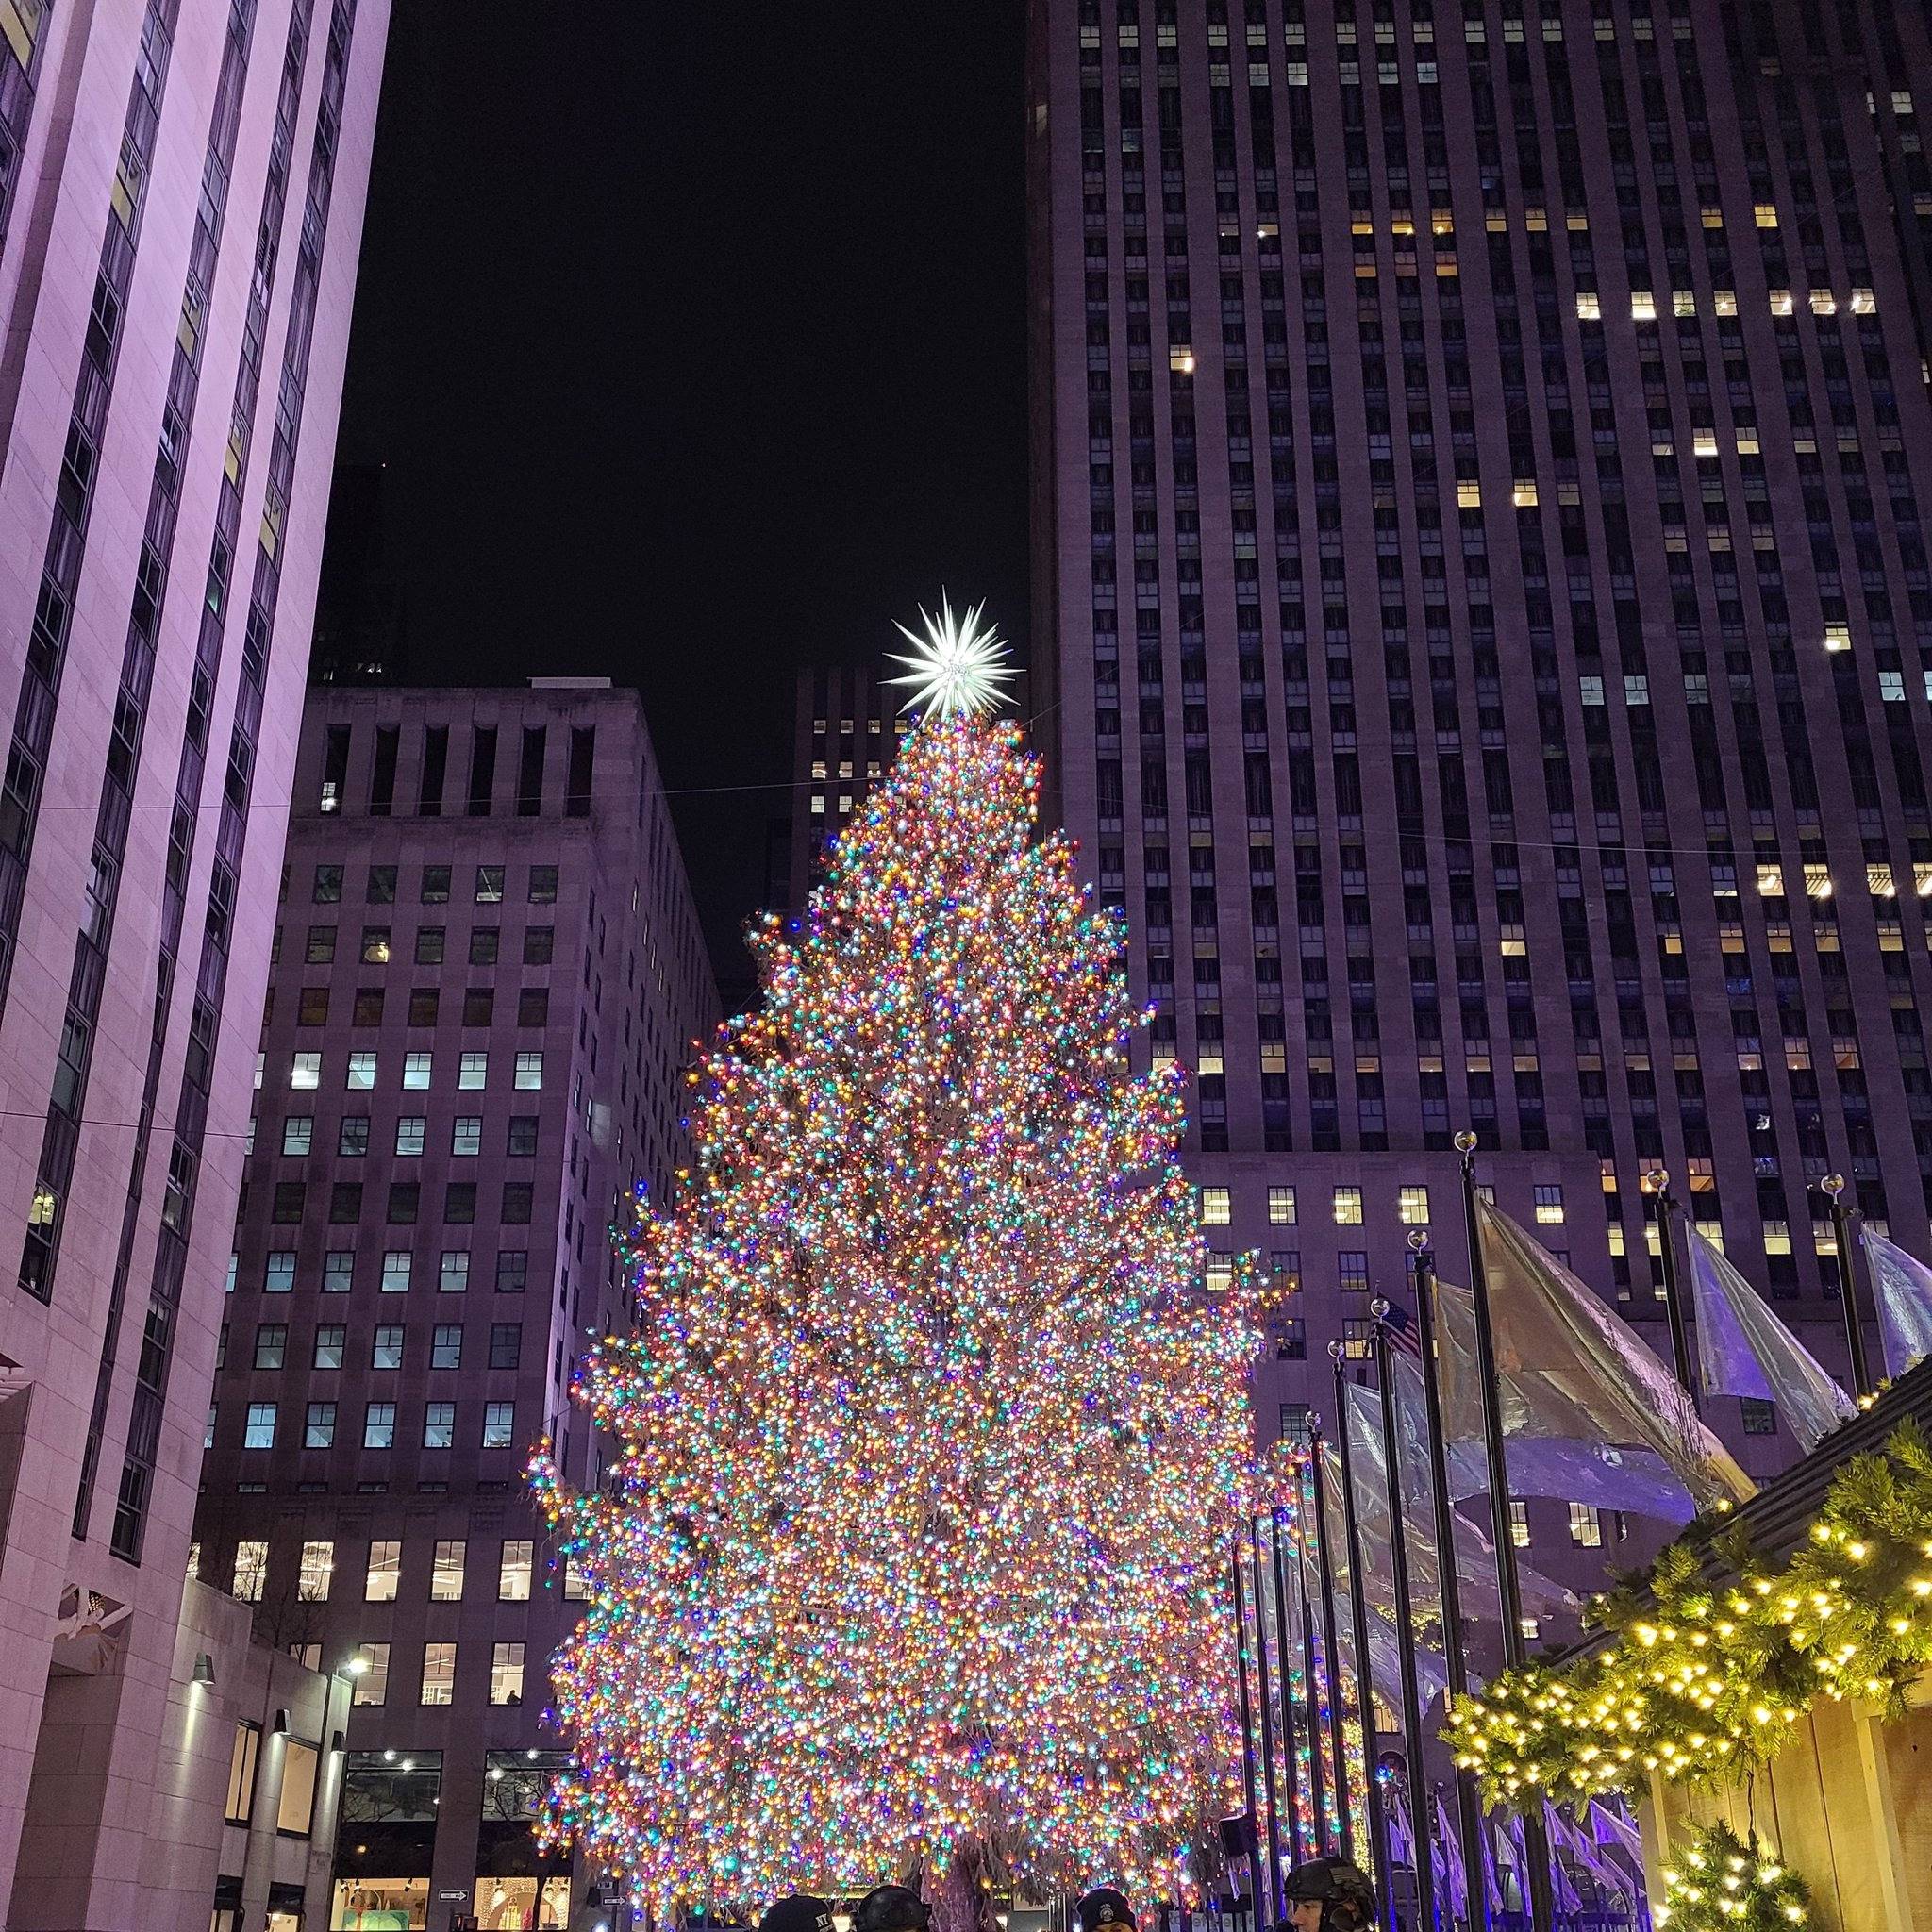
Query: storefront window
523	1904
380	1904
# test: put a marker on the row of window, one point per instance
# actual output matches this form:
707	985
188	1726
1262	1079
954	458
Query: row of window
330	1345
403	1205
383	1570
1345	1200
368	1006
398	1271
379	1422
435	767
437	1684
419	1068
352	1135
431	945
325	886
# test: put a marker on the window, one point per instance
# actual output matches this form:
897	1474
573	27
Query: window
270	1345
1296	1424
1348	1207
424	1001
278	1278
513	1571
386	1346
1281	1207
459	1203
244	1758
405	1198
512	1271
321	950
352	1137
440	1425
533	1005
1215	1208
361	1070
499	1424
381	890
318	1566
446	1573
337	1272
376	946
208	1433
1549	1205
472	1072
453	1271
298	1133
305	1071
479	1005
1412	1207
538	941
483	946
505	1344
380	1426
489	885
1219	1271
330	1341
344	1202
368	1007
506	1674
251	1571
516	1204
466	1134
1586	1528
1532	1628
384	1576
522	1137
372	1680
1352	1271
328	885
260	1430
430	945
295	1807
542	885
416	1070
435	885
1760	1417
576	1586
439	1672
1519	1523
411	1128
319	1424
446	1345
529	1072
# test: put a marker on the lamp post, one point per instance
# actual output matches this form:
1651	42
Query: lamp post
1656	1184
1832	1187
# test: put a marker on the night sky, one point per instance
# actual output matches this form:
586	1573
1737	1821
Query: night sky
692	341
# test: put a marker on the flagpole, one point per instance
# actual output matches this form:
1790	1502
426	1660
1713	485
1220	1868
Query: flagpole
1405	1625
1832	1187
1364	1673
1331	1655
1515	1655
1241	1661
1291	1773
1275	1903
1311	1688
1469	1815
1656	1184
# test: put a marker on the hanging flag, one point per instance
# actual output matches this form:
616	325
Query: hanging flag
1743	1349
1573	1369
1449	1857
1902	1287
1610	1829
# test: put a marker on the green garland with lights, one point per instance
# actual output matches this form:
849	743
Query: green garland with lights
1703	1681
1718	1882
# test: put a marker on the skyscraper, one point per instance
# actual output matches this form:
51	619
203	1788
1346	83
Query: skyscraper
1480	462
489	978
181	192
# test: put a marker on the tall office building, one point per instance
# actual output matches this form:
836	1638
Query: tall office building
489	980
844	730
1481	456
181	192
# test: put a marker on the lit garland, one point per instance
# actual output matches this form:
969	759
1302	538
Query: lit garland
930	1443
1706	1680
1716	1882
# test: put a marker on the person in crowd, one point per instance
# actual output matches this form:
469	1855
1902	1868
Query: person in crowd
1328	1895
802	1911
1104	1909
892	1908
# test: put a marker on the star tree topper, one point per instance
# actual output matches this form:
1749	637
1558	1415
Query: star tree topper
957	665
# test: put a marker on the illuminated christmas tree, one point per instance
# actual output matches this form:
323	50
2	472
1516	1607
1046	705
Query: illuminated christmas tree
931	1438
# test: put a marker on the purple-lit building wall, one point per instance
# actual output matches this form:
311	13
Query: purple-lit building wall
489	980
181	194
1481	455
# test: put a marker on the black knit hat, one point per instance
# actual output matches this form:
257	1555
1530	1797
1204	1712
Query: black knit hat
1103	1909
801	1912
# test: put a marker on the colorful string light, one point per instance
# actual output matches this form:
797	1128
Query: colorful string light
929	1443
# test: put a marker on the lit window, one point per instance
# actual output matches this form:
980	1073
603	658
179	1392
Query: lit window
1522	492
1777	1237
1586	1528
446	1574
1642	306
380	1426
1590	689
466	1134
1891	687
1589	307
372	1680
251	1571
318	1565
576	1586
440	1425
499	1424
298	1133
244	1762
1180	359
506	1674
472	1072
513	1572
260	1430
1766	213
279	1276
439	1672
1532	1628
305	1071
529	1070
319	1421
1864	302
1412	1207
453	1271
1281	1207
1838	637
1781	303
411	1128
416	1070
1549	1203
1220	1272
1469	493
1725	301
337	1272
361	1070
1215	1206
1519	1523
383	1573
1348	1207
396	1272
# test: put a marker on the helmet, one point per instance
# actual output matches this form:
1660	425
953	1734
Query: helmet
1348	1898
1105	1908
892	1908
